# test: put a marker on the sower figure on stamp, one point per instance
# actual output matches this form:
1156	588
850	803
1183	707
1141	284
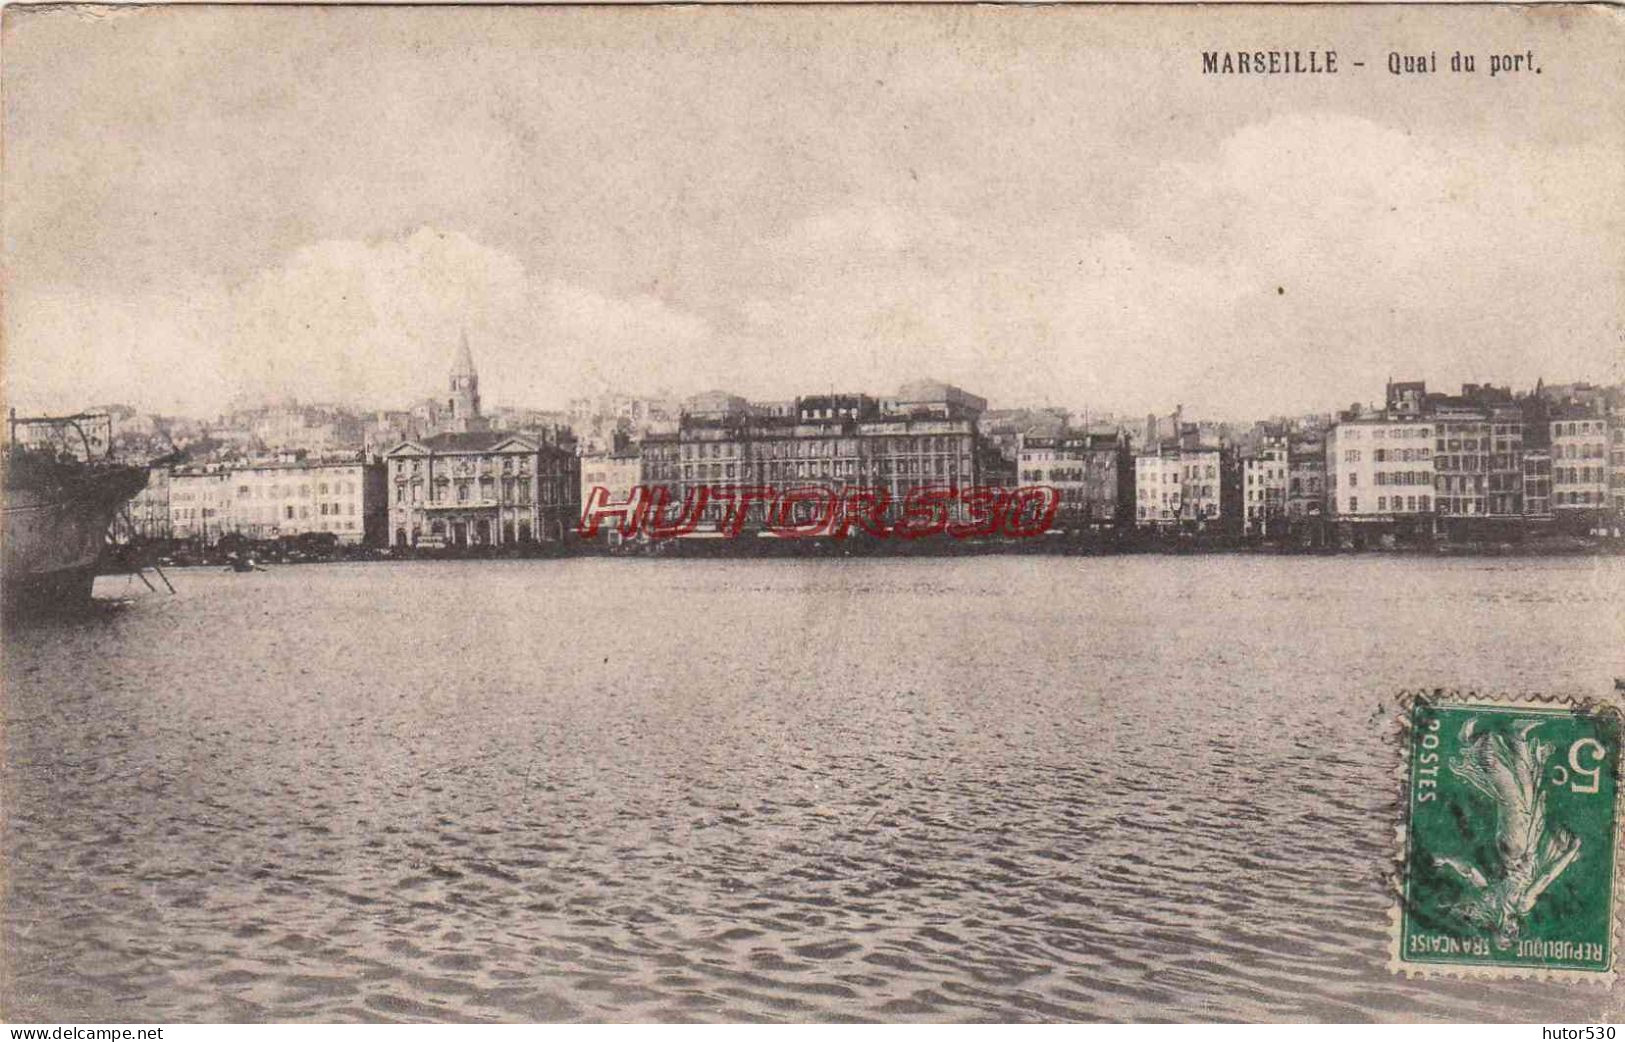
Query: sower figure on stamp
1509	773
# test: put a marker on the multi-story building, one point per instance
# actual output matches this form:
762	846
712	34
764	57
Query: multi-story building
149	510
481	488
1188	483
1580	447
1506	476
618	472
1462	448
1306	480
1380	467
925	436
659	466
199	502
1616	464
1495	456
1537	458
1264	476
295	496
267	500
472	486
1157	488
1201	473
1537	482
1094	474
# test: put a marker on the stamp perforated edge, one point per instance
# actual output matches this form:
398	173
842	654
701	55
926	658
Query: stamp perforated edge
1407	700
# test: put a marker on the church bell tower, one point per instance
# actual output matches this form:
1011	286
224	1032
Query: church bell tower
463	403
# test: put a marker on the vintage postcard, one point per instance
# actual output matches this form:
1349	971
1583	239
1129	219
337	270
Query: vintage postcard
811	513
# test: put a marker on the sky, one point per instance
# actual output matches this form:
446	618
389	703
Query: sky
1042	205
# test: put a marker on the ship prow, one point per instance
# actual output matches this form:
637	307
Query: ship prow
56	513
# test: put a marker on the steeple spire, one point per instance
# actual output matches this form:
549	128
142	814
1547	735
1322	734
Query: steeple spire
463	404
463	364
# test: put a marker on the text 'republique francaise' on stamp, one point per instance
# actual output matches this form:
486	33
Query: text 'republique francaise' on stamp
1510	843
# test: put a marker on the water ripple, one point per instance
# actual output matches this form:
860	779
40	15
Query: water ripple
978	789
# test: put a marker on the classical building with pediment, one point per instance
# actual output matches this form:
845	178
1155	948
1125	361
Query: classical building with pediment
474	487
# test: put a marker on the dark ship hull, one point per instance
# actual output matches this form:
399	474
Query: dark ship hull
55	531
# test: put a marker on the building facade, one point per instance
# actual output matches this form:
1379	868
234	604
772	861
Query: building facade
269	500
1306	480
1094	474
1580	448
618	472
1496	458
1188	484
924	437
480	488
345	498
1380	468
149	510
1157	489
471	486
1506	475
1462	450
1616	465
1264	482
199	503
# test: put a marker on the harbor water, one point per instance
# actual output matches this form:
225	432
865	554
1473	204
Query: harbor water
998	788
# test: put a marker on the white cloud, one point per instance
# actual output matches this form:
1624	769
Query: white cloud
372	323
1291	266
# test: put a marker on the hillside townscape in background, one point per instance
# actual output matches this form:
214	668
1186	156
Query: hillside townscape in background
446	473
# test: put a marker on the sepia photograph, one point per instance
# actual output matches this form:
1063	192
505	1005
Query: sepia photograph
811	514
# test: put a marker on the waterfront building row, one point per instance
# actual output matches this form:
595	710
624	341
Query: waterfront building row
1420	461
1483	454
266	499
925	436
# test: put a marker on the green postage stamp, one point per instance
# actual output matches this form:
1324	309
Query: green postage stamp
1510	837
